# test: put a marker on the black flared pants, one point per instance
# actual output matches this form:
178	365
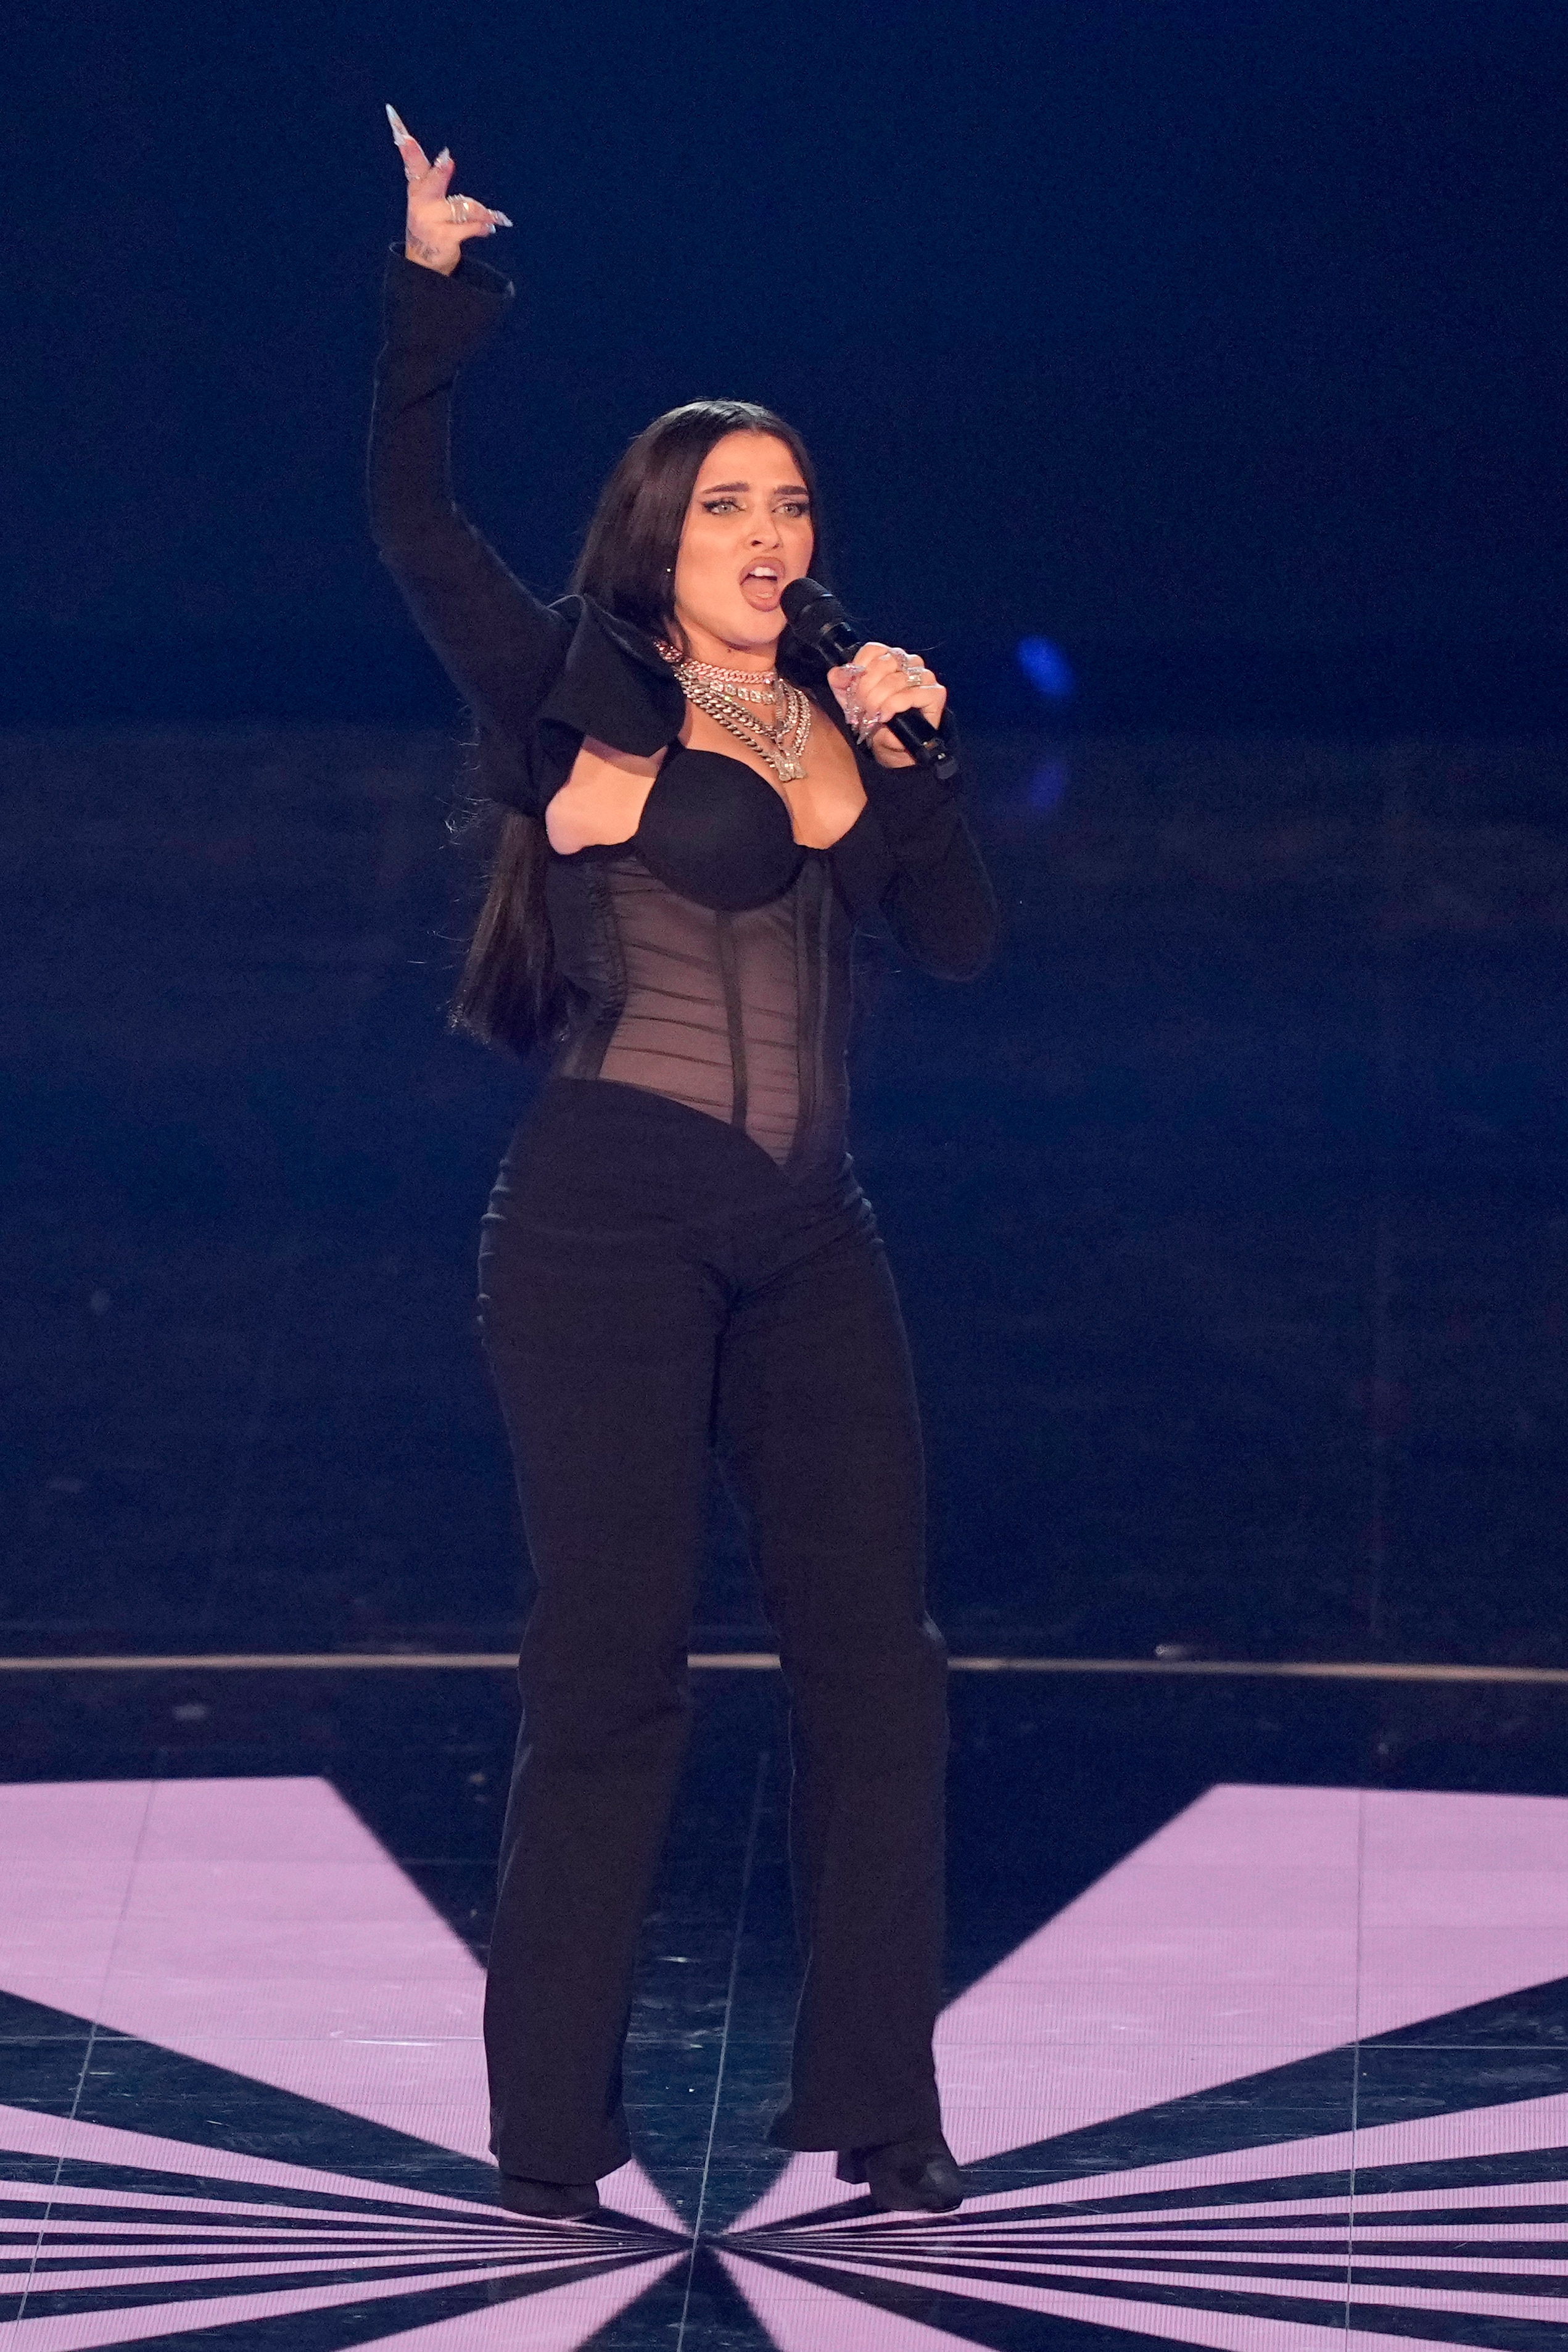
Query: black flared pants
651	1284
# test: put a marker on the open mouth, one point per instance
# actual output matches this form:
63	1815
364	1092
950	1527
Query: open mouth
762	585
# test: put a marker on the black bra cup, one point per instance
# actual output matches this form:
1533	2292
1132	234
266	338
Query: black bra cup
715	831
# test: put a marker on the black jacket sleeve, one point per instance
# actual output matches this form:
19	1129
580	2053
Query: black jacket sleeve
938	902
502	648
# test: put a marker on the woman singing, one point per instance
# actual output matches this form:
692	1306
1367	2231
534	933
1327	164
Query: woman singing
676	1255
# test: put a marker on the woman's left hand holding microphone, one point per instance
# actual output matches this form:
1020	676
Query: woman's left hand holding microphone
438	222
881	681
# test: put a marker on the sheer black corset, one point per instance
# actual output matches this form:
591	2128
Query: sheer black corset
743	1015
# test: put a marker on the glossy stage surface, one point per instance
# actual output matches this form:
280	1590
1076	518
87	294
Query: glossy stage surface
1231	2061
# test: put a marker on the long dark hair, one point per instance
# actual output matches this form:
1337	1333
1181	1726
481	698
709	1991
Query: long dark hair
509	991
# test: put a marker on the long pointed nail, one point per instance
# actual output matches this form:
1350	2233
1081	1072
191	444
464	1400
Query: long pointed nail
395	119
445	157
500	220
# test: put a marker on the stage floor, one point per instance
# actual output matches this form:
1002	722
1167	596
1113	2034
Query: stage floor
1257	2029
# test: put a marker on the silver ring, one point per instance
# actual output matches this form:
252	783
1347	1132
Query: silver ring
452	205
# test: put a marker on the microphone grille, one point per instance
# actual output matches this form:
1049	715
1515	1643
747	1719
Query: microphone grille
800	595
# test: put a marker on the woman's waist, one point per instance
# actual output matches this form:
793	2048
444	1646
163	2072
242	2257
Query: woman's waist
615	1147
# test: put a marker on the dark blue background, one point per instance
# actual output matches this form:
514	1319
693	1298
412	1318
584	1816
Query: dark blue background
1222	343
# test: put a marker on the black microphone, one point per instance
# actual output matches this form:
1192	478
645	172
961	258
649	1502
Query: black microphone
821	622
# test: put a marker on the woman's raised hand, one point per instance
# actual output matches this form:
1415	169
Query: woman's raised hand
438	222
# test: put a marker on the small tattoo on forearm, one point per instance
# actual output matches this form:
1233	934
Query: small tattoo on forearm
425	252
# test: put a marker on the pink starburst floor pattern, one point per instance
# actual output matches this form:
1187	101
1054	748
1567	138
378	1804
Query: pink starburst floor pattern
257	1926
1263	2248
155	2237
1259	1928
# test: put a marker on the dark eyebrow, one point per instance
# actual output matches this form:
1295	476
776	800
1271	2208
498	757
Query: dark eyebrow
785	489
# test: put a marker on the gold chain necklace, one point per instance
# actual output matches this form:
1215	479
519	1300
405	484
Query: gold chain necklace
725	695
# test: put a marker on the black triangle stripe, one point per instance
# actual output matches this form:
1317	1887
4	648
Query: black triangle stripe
851	2209
1510	2167
1554	2284
237	2114
326	2264
1084	2249
1445	2215
72	2230
1313	2093
245	2216
77	2222
1182	2229
1339	2272
1531	2018
218	2189
1193	2229
716	2311
1453	2249
173	2246
1142	2250
74	2226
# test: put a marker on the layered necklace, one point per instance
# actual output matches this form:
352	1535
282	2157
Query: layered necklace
738	699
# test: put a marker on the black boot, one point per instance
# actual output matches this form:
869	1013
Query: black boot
907	2176
551	2201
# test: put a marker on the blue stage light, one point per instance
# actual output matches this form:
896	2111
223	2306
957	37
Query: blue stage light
1047	668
